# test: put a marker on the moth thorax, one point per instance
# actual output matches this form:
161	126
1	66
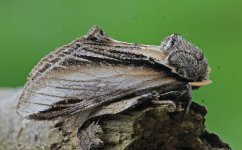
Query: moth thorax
189	65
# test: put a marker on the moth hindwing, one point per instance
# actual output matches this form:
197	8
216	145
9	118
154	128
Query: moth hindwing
96	70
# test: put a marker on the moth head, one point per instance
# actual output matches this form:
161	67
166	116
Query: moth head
186	60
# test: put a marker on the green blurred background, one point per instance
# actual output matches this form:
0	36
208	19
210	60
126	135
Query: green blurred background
30	29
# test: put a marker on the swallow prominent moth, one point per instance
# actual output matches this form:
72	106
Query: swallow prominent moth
96	70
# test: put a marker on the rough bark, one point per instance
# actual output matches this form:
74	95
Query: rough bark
153	127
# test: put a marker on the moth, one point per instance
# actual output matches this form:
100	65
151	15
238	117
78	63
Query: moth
96	70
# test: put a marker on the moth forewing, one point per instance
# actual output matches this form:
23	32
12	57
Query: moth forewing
78	88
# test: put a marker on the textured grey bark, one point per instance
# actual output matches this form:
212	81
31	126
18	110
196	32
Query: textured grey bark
153	127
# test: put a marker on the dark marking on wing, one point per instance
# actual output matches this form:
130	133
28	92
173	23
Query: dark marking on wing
69	101
71	61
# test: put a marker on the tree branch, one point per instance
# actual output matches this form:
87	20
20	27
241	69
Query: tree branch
160	126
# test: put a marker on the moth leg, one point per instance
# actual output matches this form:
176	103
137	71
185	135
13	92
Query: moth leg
183	94
163	102
167	100
166	105
144	99
172	95
188	98
166	97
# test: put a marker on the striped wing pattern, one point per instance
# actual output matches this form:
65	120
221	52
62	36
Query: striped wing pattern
86	74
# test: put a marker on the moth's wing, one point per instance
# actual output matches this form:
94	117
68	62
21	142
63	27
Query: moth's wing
66	91
89	72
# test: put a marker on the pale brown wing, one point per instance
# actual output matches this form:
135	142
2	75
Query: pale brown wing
77	88
89	72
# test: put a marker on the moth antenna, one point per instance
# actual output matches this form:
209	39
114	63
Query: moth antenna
96	34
